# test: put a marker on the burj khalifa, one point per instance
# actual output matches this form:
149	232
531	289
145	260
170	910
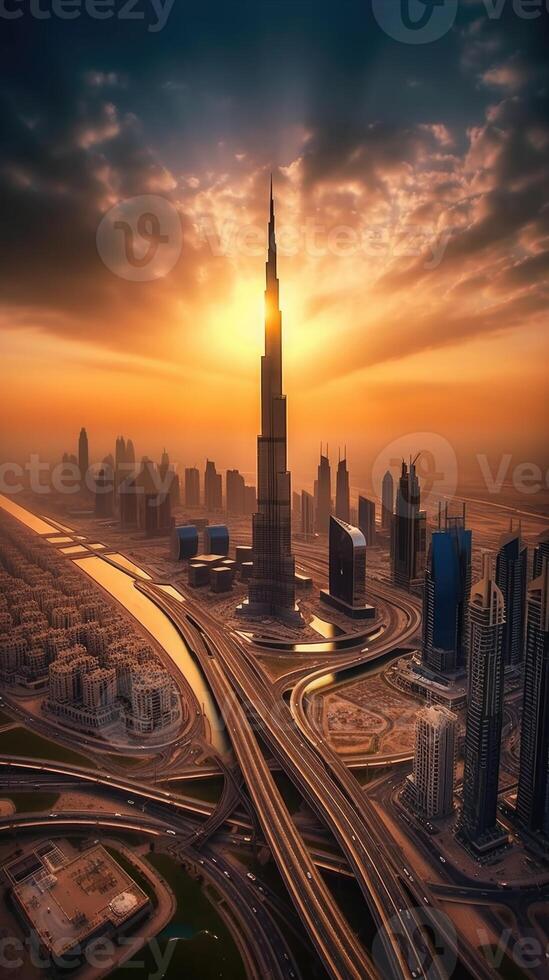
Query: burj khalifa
272	585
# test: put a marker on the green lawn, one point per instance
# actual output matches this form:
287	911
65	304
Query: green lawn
206	949
21	741
31	802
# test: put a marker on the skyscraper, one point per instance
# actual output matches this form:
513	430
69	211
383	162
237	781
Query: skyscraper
409	530
192	487
512	578
387	500
213	489
83	454
533	784
272	585
323	494
347	571
478	824
235	492
367	519
432	780
446	595
307	515
104	491
343	501
541	552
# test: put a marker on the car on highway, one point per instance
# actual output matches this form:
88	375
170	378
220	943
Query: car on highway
442	859
172	832
250	876
226	873
131	802
309	875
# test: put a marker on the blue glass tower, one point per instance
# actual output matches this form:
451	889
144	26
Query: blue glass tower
446	598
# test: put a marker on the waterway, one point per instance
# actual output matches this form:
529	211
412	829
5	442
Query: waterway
25	516
121	586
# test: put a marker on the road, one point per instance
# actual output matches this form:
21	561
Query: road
311	767
262	943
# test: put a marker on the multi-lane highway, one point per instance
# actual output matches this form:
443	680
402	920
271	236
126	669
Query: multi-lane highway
339	949
308	763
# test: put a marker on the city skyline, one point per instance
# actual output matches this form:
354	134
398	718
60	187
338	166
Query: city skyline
274	490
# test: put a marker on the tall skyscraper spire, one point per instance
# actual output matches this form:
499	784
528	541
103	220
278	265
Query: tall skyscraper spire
272	587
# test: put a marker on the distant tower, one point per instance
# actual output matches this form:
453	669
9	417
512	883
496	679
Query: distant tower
192	487
120	452
433	777
478	825
387	500
307	515
343	499
541	552
367	519
347	571
235	492
213	490
323	494
164	465
446	596
533	785
104	491
272	585
512	579
409	530
130	453
83	454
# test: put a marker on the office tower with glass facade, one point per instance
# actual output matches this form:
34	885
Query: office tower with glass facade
533	784
478	827
347	571
343	492
446	596
409	530
387	501
323	494
512	579
367	519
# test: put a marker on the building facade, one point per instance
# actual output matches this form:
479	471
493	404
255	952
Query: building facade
447	589
533	784
512	579
408	541
272	585
433	777
478	824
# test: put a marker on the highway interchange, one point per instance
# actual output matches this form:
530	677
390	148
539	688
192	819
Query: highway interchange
256	714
